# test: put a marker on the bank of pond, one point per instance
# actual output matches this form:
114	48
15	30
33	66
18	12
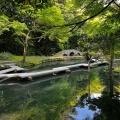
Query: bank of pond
74	96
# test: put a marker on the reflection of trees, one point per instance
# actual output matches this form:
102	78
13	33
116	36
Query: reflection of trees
48	100
12	98
110	107
44	101
82	100
110	86
2	103
57	99
85	86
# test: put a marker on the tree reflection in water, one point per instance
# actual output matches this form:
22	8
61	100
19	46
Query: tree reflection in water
109	102
110	107
52	99
85	110
100	106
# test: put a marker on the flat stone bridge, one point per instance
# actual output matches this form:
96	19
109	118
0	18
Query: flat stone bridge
70	52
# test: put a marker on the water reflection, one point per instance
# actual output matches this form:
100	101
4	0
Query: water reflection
110	107
53	98
100	106
86	111
40	101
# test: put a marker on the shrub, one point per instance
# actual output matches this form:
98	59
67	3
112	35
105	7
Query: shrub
5	55
117	55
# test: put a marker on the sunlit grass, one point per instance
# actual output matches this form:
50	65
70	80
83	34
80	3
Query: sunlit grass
35	60
15	58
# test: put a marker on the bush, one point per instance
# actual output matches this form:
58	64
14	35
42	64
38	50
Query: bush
5	55
117	55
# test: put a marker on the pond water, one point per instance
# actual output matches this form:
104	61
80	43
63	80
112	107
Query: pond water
85	112
61	97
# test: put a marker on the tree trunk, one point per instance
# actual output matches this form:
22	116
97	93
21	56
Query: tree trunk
111	68
111	74
25	46
89	80
25	51
25	2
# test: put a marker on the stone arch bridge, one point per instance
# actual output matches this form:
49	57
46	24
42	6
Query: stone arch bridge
70	52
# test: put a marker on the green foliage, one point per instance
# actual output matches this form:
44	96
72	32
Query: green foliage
50	17
117	54
67	11
89	46
57	34
93	27
42	21
93	7
4	22
26	14
19	28
105	29
79	3
26	10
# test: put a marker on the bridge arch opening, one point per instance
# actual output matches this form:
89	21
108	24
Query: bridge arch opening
64	54
78	54
71	54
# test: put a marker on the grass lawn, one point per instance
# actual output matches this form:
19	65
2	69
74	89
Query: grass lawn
35	60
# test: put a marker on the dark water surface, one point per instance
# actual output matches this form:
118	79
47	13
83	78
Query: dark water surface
61	97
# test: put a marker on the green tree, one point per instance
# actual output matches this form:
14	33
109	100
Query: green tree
43	22
105	29
4	24
39	22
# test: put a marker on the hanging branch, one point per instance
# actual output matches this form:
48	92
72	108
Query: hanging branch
77	26
116	4
77	23
88	5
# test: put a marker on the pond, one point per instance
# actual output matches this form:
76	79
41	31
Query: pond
61	97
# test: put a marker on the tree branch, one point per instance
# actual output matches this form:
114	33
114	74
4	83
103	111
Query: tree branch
116	4
88	4
83	21
35	38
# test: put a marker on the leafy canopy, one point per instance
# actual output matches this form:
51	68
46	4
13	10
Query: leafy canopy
4	22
